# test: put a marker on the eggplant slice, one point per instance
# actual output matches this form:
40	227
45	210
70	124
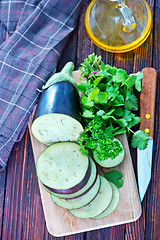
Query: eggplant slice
54	127
113	204
80	201
82	191
98	204
63	168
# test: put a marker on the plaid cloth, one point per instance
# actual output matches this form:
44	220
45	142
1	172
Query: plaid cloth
37	33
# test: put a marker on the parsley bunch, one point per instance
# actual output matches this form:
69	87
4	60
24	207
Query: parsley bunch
108	106
99	138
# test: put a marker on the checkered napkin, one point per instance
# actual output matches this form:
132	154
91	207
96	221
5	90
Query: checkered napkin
37	31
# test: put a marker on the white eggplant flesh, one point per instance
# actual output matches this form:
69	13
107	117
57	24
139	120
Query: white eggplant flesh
113	204
82	191
56	127
62	167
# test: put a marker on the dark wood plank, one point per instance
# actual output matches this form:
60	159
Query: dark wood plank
2	196
79	236
84	45
23	211
70	51
111	233
153	196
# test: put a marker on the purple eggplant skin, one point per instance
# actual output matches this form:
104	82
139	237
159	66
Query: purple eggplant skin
61	97
80	195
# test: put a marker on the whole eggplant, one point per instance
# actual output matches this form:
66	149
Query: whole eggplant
58	114
60	95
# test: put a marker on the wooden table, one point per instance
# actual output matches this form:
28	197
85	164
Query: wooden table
21	213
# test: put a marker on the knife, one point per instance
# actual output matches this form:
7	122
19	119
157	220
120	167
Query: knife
147	112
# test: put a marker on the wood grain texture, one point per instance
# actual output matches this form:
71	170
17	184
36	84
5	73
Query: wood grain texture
23	207
22	214
153	194
2	196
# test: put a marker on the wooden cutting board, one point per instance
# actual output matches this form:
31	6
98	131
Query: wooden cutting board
61	223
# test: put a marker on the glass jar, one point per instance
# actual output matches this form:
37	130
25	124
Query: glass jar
118	26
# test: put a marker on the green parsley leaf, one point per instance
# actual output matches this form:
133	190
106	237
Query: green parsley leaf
135	120
115	177
87	114
93	94
103	66
130	81
120	76
111	70
119	111
126	93
139	139
103	98
138	82
122	122
112	91
86	102
97	81
132	103
83	86
127	115
120	131
118	101
100	113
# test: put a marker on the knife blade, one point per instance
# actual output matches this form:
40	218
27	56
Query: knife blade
147	113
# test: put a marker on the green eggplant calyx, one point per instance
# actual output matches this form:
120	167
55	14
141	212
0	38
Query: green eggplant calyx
64	75
68	69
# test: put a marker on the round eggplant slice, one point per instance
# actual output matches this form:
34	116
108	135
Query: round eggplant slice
75	188
112	206
61	97
82	191
63	168
80	201
55	127
98	204
111	162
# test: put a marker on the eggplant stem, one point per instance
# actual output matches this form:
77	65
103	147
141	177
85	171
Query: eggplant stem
68	69
64	75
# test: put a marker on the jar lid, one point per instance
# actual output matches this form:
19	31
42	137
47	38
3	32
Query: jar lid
119	48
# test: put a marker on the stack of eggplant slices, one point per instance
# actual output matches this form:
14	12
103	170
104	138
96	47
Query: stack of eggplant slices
69	176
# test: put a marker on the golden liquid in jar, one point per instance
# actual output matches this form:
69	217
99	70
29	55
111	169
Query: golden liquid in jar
107	23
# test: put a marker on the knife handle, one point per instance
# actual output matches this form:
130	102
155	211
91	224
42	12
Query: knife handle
147	100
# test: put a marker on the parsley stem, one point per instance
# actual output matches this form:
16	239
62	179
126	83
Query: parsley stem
129	129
